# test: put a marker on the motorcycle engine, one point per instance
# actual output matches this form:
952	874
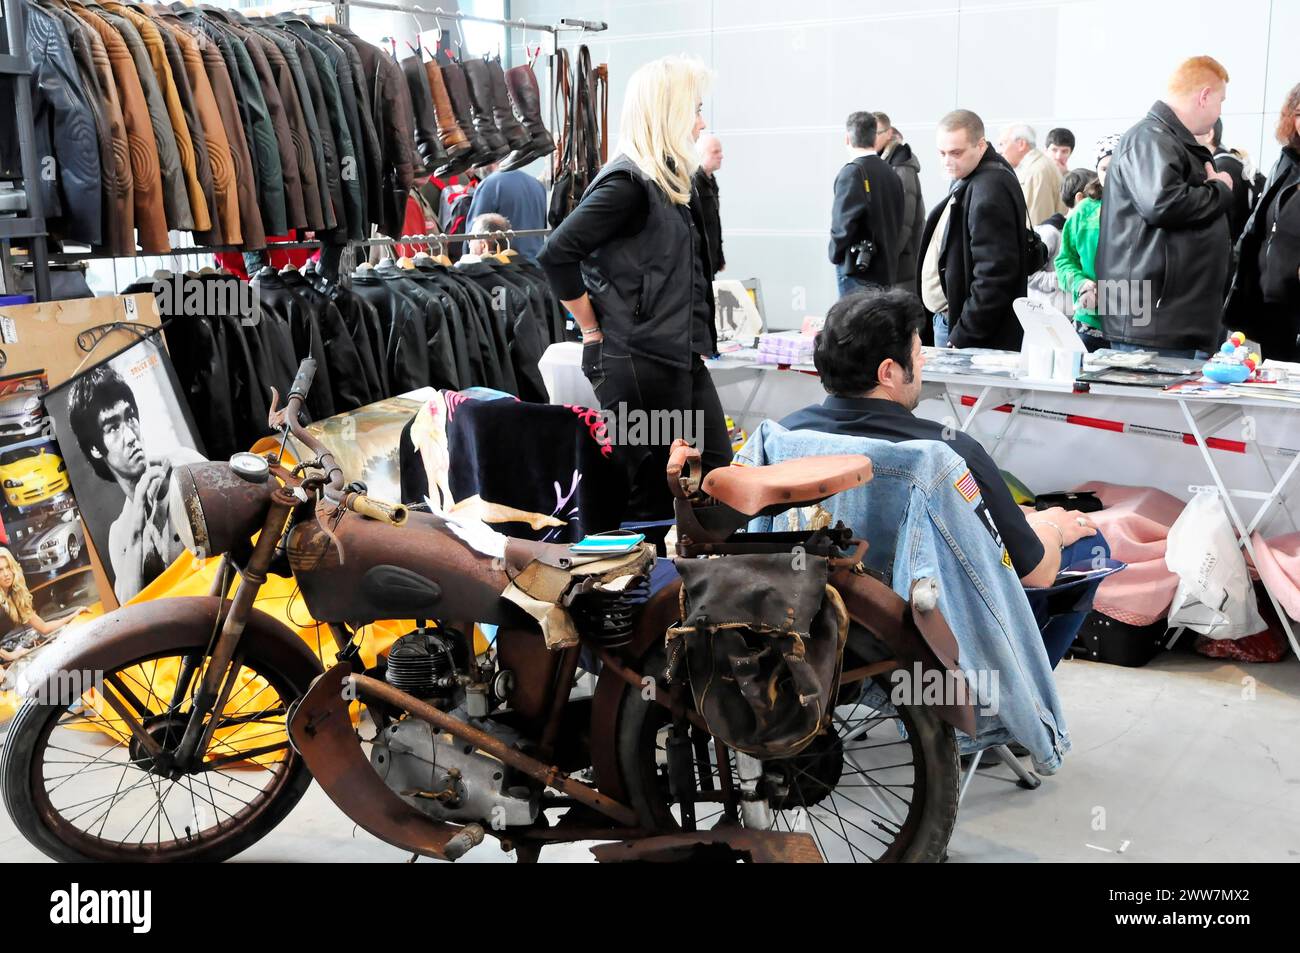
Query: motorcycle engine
450	780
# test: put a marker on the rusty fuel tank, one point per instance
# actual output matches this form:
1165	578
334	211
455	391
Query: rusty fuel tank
377	571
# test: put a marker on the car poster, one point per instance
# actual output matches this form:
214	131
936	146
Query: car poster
46	581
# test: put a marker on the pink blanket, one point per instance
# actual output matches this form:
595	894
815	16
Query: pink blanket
1136	524
1277	561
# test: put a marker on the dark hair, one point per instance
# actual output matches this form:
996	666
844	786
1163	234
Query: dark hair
1286	133
1080	180
862	330
861	127
98	390
1061	137
1217	132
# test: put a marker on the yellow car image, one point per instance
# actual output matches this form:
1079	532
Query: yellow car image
32	472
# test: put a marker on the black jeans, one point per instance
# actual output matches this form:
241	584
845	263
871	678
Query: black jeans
647	405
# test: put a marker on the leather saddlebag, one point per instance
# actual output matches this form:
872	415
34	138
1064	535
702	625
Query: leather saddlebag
761	641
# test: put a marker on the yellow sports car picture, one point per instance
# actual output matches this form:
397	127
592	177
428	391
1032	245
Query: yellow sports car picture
31	472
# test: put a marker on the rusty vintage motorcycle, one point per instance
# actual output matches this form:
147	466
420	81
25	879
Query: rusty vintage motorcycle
207	719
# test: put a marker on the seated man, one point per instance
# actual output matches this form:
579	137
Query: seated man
870	360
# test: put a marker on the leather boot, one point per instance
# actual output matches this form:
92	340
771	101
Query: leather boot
453	140
516	136
480	101
427	144
528	107
458	92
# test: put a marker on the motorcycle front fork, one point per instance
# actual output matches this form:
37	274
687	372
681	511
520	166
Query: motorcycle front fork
215	686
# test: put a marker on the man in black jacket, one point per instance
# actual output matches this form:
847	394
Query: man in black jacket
973	250
1163	253
705	193
866	214
893	148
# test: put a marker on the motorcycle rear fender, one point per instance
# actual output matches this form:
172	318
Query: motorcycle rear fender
912	636
177	624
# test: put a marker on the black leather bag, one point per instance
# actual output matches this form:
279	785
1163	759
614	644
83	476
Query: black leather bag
762	642
1035	252
580	151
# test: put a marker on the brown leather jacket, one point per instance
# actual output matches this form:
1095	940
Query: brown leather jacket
175	191
157	54
220	157
202	161
142	147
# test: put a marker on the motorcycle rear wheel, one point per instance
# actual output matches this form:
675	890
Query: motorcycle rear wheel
78	784
856	809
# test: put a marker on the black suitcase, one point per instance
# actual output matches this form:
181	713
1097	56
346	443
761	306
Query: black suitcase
1103	639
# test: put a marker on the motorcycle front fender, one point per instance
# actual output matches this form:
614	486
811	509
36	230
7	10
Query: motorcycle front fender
174	625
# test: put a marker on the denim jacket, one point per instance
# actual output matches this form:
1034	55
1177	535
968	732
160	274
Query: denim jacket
923	515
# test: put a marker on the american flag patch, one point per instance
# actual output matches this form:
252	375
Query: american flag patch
967	487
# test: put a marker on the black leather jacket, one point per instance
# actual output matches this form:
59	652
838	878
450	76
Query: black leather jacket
66	129
1163	255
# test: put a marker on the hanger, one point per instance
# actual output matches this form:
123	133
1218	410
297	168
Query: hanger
506	255
288	268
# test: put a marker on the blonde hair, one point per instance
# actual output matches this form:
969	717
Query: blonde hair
658	120
1196	74
17	601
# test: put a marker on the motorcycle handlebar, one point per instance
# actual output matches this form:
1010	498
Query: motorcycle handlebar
302	382
392	513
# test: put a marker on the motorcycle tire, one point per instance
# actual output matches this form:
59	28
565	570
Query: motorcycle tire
924	833
31	809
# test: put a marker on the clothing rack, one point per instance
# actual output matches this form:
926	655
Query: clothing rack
32	228
439	238
585	26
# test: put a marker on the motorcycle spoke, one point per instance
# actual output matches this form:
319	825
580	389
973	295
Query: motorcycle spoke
858	827
862	807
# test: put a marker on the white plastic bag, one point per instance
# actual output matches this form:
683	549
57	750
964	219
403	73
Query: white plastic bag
1215	596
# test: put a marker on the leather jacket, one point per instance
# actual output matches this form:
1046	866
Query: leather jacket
391	104
92	66
142	147
175	194
198	140
244	172
259	132
227	225
65	129
349	210
302	120
156	56
1163	253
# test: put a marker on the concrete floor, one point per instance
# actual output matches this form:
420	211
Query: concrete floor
1187	759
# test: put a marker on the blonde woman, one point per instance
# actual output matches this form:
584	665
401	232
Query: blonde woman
16	606
632	265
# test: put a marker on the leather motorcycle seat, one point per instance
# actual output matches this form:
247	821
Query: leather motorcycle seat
757	491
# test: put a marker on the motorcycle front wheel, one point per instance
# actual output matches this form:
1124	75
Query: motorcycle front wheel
879	786
87	779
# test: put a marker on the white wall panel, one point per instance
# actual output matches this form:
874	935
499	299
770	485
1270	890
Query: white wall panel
788	71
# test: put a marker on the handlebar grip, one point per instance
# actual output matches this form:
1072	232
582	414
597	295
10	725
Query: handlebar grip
302	382
392	513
